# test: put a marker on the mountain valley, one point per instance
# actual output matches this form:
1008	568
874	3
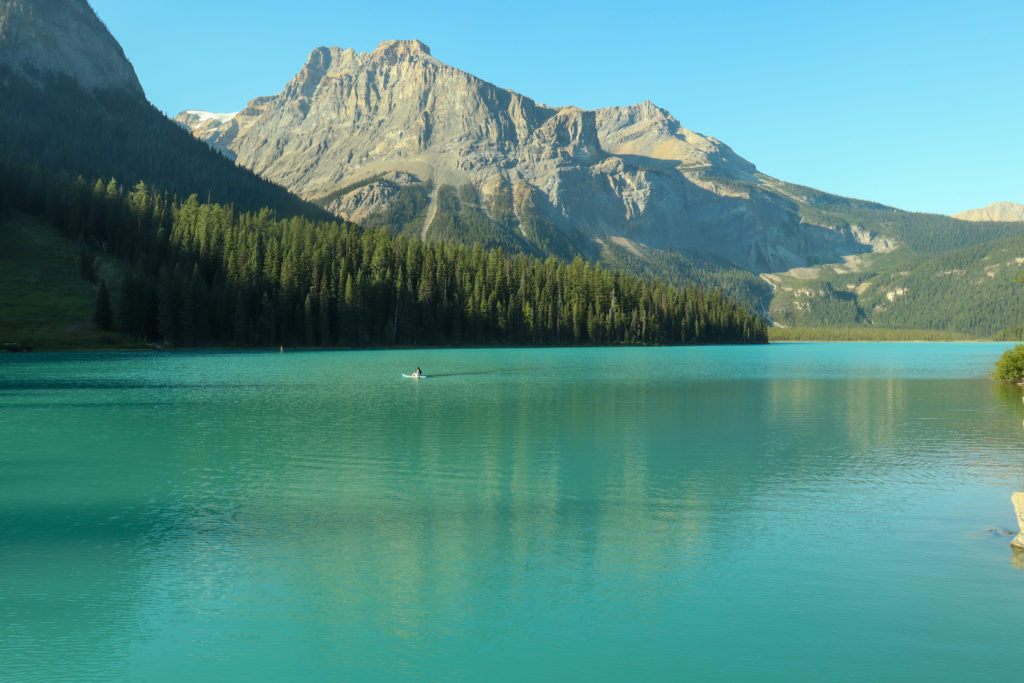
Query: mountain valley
396	139
399	139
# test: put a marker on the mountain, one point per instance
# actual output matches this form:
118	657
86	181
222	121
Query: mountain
77	138
1000	211
362	132
398	139
395	137
105	237
70	103
64	37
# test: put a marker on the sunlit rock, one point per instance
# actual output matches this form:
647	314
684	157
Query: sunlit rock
1018	505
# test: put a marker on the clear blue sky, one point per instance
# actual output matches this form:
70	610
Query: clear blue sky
914	104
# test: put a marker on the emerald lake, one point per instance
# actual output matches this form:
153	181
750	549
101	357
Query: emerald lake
783	512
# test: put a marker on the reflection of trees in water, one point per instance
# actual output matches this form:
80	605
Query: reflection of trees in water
415	513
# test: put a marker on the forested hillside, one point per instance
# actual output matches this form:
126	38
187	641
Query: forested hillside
199	273
54	127
458	214
923	233
970	290
939	273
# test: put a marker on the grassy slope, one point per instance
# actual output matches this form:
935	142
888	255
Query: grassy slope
44	302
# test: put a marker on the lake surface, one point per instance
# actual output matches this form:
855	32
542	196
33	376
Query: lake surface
787	512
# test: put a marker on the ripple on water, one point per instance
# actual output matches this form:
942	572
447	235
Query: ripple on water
254	515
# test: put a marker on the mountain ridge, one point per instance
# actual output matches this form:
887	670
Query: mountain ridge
628	186
631	173
998	211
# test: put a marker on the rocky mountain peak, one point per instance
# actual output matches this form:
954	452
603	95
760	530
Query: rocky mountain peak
392	50
65	37
372	135
320	59
646	111
1000	211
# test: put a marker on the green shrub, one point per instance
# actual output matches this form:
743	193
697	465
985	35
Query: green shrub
1010	366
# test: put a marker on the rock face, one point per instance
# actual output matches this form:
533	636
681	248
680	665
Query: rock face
630	174
66	37
1000	211
1018	506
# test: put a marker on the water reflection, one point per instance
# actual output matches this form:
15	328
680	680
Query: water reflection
390	510
1017	558
334	520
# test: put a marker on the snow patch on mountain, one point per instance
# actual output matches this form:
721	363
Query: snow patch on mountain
201	117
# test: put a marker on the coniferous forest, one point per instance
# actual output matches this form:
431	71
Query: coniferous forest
198	273
252	265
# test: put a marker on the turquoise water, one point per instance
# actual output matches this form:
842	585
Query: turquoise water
795	511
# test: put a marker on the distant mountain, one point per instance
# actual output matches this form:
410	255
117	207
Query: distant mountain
378	137
1000	211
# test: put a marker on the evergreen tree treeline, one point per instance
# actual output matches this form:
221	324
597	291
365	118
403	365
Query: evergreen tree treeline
206	273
